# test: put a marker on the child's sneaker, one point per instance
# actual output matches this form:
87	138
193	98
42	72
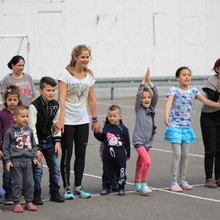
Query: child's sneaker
105	192
56	197
145	189
8	200
68	194
175	187
185	185
121	192
81	193
137	187
18	208
37	198
30	207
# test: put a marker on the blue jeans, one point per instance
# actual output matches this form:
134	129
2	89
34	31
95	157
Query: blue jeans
47	148
2	193
6	181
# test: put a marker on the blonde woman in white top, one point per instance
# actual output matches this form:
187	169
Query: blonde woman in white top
76	89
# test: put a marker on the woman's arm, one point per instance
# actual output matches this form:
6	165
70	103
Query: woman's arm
62	100
167	109
92	107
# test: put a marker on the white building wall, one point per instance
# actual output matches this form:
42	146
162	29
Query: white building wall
126	36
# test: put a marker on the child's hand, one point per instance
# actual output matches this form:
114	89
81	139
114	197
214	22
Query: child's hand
127	158
1	155
57	149
167	121
36	162
58	126
39	155
8	166
96	127
146	77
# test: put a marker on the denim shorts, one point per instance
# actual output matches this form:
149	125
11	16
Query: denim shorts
179	135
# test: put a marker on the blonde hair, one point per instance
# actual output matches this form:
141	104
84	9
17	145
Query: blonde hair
77	50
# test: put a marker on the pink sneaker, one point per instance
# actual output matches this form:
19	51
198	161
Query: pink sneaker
18	208
176	188
185	185
31	207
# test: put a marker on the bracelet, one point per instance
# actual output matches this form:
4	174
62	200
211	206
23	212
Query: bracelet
95	118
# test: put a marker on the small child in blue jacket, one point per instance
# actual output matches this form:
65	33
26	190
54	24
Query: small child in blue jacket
116	139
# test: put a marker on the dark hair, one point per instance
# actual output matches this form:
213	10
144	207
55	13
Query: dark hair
15	60
11	89
113	108
180	69
217	64
48	81
18	109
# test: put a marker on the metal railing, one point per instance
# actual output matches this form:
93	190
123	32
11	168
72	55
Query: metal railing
126	82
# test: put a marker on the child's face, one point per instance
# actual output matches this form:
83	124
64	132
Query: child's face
22	118
184	77
114	116
12	101
48	93
146	99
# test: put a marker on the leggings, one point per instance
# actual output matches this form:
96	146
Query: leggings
143	164
179	161
211	138
79	134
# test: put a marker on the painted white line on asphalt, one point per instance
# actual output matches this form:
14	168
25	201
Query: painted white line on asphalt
187	195
168	151
153	188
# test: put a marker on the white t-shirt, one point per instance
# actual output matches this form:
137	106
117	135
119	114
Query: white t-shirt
76	97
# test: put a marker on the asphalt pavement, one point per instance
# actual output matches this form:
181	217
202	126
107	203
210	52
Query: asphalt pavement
200	203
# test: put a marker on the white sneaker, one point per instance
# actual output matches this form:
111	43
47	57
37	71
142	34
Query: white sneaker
145	189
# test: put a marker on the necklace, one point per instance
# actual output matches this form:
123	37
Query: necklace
78	75
17	76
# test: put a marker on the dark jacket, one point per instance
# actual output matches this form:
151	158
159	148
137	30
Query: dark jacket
42	117
119	132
